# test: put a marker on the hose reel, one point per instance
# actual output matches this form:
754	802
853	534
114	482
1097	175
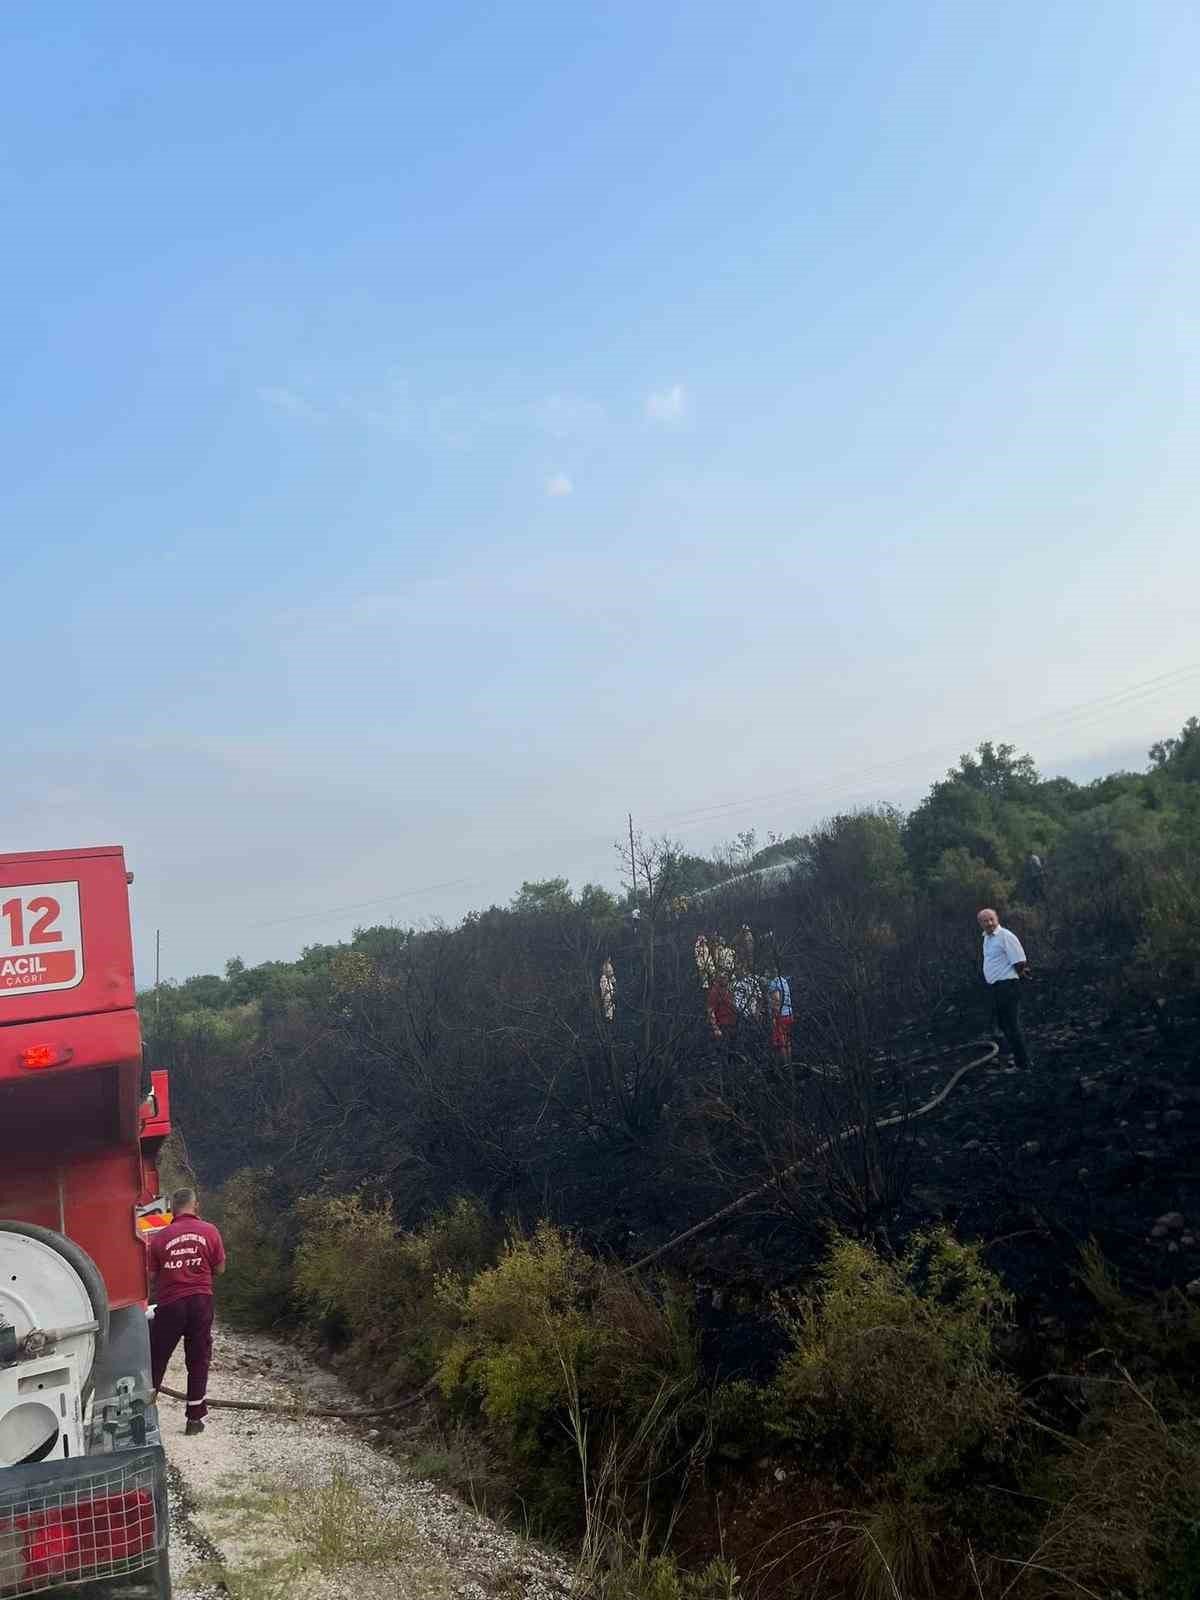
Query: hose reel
53	1327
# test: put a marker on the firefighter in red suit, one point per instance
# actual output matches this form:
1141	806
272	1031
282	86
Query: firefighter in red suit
185	1256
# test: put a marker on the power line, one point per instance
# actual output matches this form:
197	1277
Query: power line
850	786
1083	712
364	905
1149	689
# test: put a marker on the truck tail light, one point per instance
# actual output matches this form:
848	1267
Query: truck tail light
50	1549
93	1538
37	1057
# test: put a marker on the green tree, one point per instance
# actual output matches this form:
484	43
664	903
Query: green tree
859	857
961	883
542	895
997	770
1179	757
987	807
597	904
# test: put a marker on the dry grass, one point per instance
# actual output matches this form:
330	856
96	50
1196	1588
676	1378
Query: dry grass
894	1548
335	1525
273	1579
1131	1492
1165	1327
289	1534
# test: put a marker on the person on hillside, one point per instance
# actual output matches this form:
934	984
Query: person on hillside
722	1013
706	965
185	1256
608	991
748	998
1033	880
1004	966
779	996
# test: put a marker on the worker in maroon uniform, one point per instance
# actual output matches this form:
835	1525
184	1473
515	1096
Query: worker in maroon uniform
185	1256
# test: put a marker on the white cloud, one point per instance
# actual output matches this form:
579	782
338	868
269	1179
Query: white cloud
666	405
569	416
564	417
558	485
289	402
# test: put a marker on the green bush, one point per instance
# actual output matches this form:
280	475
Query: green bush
633	1574
348	1263
527	1333
650	1348
255	1289
891	1369
740	1419
1167	957
361	1277
549	1324
589	1380
961	883
453	1247
858	858
1102	869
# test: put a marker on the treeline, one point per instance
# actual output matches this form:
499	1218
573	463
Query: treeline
479	1059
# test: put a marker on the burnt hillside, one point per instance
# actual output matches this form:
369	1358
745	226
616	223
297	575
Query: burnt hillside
482	1060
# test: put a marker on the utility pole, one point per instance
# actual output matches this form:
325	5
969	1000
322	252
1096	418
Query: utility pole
157	977
632	863
648	935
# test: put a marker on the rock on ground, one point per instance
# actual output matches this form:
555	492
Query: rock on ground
266	1507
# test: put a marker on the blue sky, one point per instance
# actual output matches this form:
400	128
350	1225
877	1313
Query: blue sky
430	433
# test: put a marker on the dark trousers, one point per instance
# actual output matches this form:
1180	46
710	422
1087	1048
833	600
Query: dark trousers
190	1320
1006	1003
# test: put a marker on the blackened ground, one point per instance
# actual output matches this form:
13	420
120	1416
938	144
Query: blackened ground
1101	1140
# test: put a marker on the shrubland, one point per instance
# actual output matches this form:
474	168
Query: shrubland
923	1466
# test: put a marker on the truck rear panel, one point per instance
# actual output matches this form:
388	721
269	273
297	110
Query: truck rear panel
71	1162
70	1056
65	943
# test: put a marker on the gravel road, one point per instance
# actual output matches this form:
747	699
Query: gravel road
270	1508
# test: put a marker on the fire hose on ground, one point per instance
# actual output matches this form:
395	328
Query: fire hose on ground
991	1050
301	1410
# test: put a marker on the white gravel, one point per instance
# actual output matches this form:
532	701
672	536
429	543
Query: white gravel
249	1493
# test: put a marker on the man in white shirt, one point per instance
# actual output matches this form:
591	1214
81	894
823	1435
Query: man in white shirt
1004	965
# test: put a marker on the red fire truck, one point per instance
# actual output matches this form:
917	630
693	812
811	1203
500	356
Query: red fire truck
83	1503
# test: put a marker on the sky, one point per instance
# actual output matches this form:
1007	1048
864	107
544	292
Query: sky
431	434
